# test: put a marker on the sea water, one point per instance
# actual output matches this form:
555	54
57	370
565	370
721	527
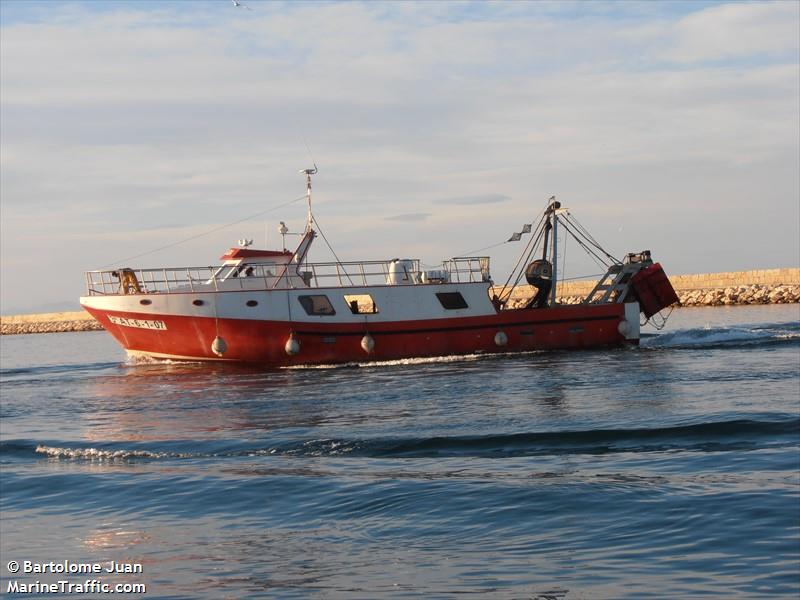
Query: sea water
667	470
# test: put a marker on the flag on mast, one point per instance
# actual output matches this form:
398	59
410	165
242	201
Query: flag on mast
515	237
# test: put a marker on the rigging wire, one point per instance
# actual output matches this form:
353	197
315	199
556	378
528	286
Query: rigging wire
581	277
310	155
588	250
338	260
585	231
530	247
199	235
588	236
473	252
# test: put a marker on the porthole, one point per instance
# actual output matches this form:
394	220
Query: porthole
252	303
198	302
145	302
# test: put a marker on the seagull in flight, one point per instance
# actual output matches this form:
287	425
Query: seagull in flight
238	4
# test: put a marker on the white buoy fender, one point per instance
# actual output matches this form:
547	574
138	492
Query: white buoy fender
500	338
218	346
624	327
367	343
292	346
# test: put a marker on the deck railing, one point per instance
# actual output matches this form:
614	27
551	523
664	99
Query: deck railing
358	273
468	269
323	274
151	281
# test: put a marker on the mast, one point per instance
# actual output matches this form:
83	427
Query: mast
308	234
308	173
547	227
555	257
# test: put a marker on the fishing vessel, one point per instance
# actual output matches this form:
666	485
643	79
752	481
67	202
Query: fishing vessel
277	308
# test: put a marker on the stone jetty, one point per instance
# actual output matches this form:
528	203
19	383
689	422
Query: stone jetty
49	323
742	294
768	286
765	286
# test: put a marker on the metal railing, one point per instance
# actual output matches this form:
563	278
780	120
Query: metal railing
234	277
360	273
152	281
470	269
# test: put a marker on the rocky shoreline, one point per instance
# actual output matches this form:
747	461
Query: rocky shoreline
730	296
49	323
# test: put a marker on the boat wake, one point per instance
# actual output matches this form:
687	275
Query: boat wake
711	337
97	454
402	362
738	434
709	437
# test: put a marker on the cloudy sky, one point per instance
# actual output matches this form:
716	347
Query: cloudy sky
438	128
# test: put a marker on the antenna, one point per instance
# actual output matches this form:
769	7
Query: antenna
283	230
308	173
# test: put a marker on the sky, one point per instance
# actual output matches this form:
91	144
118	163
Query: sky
438	128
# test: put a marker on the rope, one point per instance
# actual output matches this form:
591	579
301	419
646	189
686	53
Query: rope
199	235
473	252
588	250
338	261
580	277
654	323
569	218
524	258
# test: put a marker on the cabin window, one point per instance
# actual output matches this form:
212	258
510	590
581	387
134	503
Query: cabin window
260	270
252	303
316	305
361	304
451	300
145	302
198	302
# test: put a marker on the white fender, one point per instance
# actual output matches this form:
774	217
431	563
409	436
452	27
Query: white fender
367	343
501	339
292	346
218	346
624	328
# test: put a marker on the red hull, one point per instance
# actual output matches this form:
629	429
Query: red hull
255	341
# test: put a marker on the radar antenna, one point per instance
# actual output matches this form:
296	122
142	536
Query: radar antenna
308	173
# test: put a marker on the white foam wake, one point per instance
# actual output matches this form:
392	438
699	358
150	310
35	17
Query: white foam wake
98	454
712	336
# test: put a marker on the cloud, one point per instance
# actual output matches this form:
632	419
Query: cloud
470	200
762	29
115	122
409	217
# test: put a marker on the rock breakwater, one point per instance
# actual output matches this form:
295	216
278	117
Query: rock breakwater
743	294
48	323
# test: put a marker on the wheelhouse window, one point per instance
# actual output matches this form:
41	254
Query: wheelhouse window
265	270
251	270
451	300
361	304
316	305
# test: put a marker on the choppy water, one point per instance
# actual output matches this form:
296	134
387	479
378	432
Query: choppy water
671	470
